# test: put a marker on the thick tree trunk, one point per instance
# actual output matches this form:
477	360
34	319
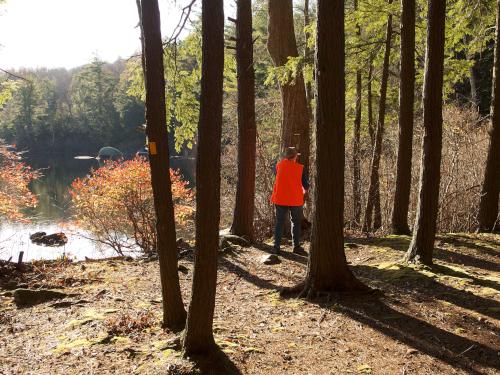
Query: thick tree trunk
247	132
174	315
356	145
488	207
327	268
373	201
406	99
281	44
424	229
308	59
198	338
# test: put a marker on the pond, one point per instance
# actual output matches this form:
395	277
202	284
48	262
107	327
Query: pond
52	215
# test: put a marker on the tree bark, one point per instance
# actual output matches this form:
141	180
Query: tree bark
308	58
198	338
174	314
356	144
424	229
371	131
406	98
281	44
488	207
373	201
247	132
327	267
473	87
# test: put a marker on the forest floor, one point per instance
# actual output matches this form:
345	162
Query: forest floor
439	320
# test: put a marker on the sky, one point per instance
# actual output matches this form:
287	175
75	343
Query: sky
70	33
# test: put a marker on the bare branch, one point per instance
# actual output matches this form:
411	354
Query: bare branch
186	12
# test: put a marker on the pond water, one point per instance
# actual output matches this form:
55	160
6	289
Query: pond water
52	215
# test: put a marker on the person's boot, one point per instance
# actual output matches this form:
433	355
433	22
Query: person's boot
276	250
299	250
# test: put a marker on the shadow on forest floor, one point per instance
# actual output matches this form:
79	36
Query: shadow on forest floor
425	337
217	364
472	246
406	288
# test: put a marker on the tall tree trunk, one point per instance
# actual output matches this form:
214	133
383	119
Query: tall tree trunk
247	132
174	315
377	209
488	207
327	268
308	56
473	87
281	44
406	98
424	229
308	59
371	130
143	58
198	338
356	144
373	200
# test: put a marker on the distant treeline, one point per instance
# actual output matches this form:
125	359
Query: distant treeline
59	112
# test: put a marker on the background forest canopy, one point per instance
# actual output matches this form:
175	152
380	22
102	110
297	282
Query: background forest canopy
61	113
102	103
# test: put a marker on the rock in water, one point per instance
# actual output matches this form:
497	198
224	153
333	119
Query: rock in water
28	297
37	236
55	239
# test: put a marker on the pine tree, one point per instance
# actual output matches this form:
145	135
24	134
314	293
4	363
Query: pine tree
247	131
198	338
174	314
488	208
424	230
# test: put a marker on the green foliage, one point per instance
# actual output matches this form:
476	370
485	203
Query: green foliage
7	88
92	95
106	105
60	111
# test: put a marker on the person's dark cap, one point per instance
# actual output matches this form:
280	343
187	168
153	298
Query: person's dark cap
291	152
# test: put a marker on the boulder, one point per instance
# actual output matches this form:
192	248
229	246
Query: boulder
226	239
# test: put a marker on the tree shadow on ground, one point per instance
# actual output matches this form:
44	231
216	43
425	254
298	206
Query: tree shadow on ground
246	275
408	280
451	348
478	238
218	363
461	240
284	254
401	243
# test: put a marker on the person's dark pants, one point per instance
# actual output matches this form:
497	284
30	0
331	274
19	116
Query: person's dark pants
296	217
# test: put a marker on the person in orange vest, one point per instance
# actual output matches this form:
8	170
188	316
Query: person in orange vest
290	186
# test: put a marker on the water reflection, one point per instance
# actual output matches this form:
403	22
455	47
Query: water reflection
52	215
15	238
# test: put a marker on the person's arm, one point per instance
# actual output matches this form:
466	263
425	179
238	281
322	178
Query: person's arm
305	181
275	167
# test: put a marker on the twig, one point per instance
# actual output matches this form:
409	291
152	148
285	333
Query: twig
15	75
468	349
186	12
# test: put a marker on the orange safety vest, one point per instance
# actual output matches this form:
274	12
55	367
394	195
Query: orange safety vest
288	190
